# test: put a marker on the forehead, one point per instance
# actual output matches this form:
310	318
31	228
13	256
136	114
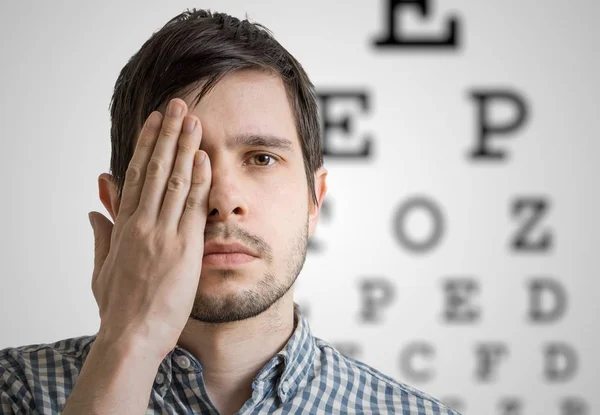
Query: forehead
245	102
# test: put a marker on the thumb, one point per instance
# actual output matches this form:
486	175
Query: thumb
102	228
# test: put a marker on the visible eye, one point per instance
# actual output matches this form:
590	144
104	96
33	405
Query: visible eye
263	159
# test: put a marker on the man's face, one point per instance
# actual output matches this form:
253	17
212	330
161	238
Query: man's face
259	196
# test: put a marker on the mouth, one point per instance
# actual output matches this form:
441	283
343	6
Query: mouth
226	259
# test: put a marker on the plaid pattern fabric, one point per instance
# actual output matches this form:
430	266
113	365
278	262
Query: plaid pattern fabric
308	376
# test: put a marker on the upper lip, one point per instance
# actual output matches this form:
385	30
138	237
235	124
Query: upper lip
222	248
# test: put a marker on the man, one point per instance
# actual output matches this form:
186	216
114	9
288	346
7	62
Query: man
194	281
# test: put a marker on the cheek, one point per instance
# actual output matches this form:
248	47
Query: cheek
280	209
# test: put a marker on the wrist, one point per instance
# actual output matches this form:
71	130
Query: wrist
124	345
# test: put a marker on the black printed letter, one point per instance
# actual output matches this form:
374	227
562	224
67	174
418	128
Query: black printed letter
511	406
539	314
458	293
408	356
574	406
395	40
376	293
400	221
488	358
537	207
360	149
486	128
553	372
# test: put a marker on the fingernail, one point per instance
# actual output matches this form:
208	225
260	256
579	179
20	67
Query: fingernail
174	109
91	218
189	124
154	121
200	157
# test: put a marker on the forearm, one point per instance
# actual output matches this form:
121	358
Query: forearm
116	378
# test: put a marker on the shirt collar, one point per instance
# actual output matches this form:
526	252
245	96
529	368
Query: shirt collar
297	356
293	363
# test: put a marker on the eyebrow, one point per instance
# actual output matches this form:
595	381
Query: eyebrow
260	140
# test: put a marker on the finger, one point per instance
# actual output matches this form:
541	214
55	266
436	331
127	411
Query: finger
136	171
179	183
162	159
194	215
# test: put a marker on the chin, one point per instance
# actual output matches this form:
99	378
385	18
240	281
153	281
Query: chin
218	282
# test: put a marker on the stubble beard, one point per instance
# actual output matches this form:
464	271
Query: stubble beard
267	291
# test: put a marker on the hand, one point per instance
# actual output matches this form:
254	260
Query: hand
147	267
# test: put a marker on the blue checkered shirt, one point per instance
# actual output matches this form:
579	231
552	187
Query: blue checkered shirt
308	376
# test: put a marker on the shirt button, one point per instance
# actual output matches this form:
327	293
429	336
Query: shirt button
160	378
183	362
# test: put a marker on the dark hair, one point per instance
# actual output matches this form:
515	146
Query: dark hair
198	46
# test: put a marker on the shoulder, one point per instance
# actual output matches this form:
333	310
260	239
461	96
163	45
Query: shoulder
30	373
40	355
370	384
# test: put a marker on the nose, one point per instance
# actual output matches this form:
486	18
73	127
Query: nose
226	200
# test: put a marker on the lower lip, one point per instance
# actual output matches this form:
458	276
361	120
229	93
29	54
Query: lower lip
231	259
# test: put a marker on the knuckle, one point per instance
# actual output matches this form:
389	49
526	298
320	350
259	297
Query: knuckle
177	182
133	174
146	140
171	127
155	167
185	148
194	201
137	228
199	180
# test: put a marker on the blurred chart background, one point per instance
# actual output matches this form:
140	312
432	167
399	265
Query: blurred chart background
457	249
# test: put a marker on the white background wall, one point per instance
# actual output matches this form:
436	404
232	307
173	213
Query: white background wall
59	64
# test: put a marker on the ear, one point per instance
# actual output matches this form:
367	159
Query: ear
321	191
107	191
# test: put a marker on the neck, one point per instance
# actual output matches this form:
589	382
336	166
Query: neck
232	354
